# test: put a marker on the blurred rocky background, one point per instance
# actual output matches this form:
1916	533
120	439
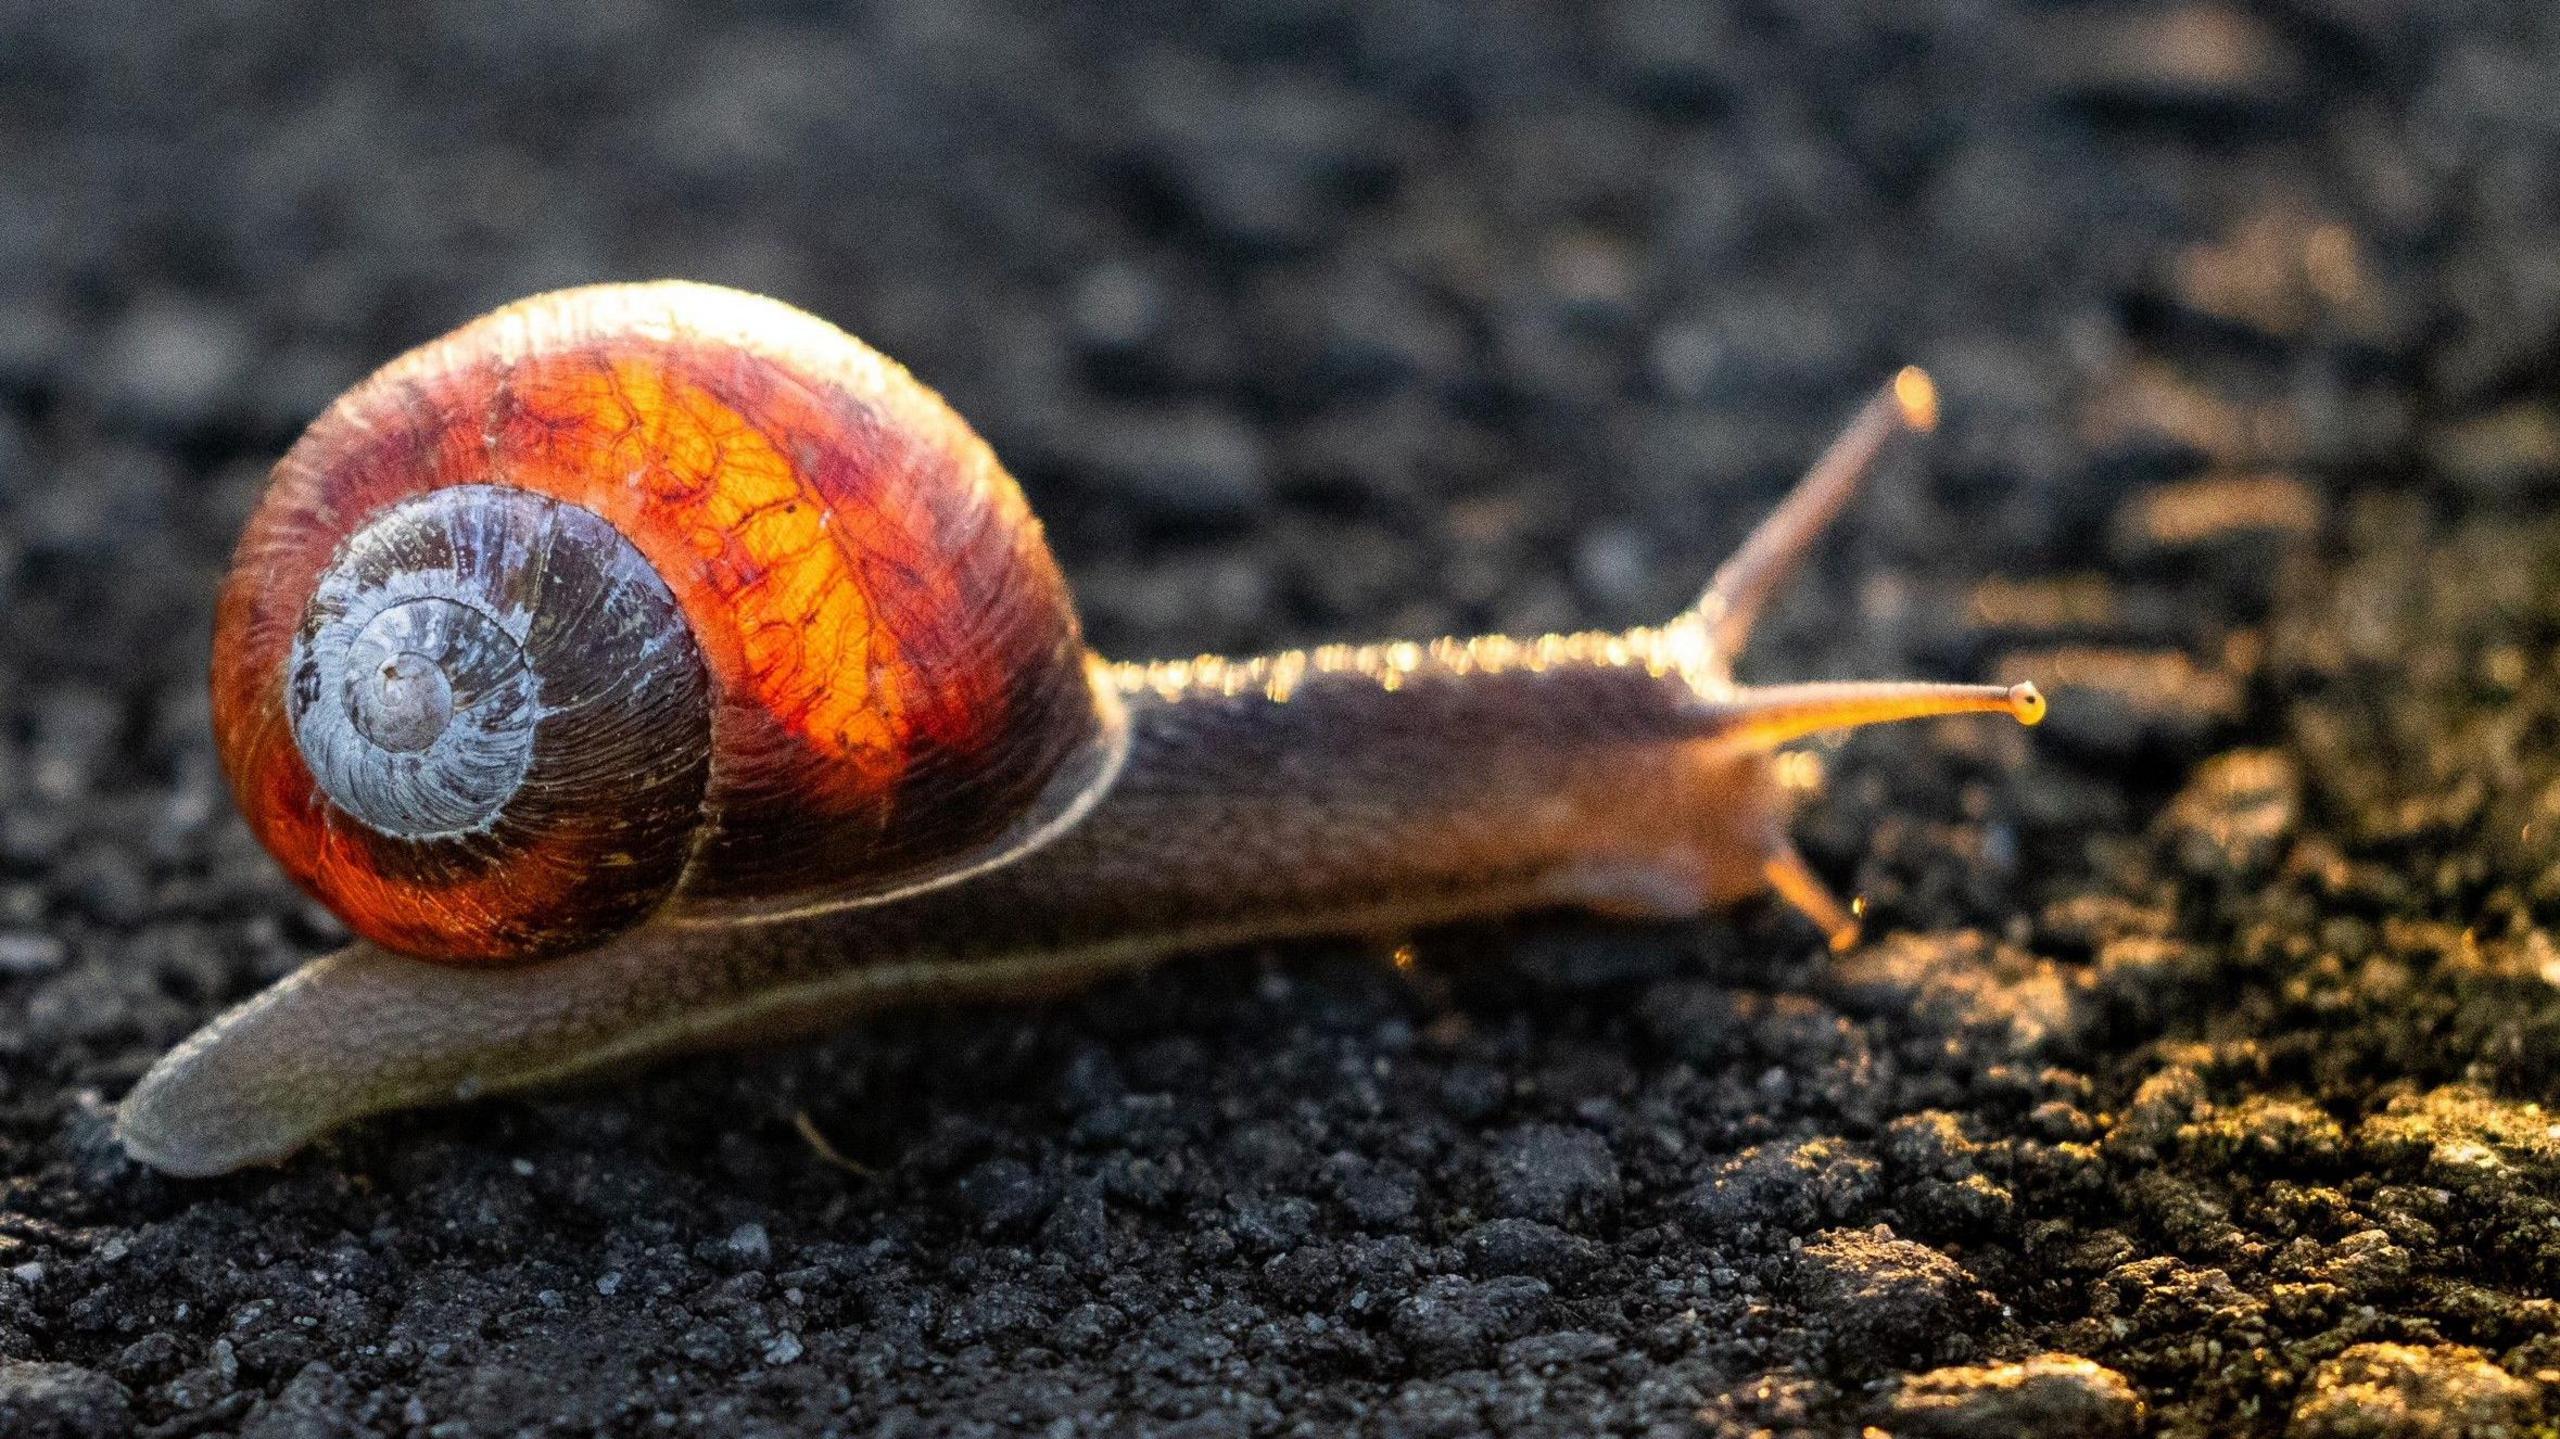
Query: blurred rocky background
2203	1073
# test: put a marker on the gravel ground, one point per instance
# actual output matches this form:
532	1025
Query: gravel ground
2193	1084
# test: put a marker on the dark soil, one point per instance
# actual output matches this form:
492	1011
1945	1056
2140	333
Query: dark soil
2203	1075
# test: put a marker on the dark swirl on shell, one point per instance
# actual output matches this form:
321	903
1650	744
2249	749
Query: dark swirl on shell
500	699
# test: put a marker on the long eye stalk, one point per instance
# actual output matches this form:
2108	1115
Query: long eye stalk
1776	550
1766	716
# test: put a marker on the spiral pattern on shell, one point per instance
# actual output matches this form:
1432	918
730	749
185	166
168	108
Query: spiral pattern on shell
644	597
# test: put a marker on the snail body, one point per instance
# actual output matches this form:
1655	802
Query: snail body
647	668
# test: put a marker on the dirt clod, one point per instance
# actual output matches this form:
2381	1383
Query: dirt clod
62	1401
1880	1296
2413	1391
2052	1396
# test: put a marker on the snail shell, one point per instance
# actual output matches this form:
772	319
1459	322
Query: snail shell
642	600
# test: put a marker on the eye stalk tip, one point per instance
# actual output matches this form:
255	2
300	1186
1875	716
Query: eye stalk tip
1917	395
2027	703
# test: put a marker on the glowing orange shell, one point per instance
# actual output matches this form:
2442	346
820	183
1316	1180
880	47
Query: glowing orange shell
894	668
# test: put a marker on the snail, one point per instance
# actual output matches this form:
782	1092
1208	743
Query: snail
644	668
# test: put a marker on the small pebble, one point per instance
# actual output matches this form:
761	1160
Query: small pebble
2219	509
171	363
2502	453
24	954
2180	55
751	1245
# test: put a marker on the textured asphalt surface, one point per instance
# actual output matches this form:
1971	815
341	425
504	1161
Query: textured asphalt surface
2202	1075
